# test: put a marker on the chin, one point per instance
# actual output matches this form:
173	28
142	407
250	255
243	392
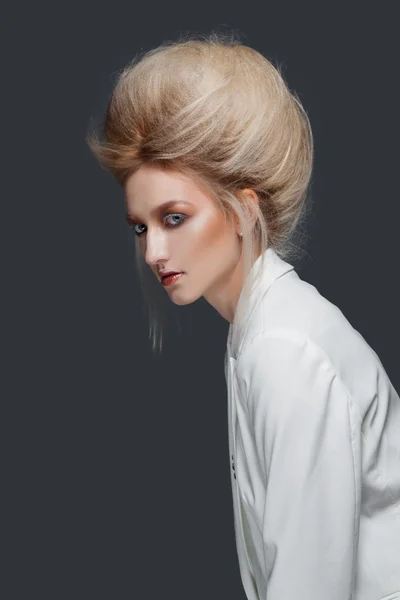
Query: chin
181	299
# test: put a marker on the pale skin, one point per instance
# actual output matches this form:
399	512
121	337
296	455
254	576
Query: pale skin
192	238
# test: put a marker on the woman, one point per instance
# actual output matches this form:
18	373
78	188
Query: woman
214	154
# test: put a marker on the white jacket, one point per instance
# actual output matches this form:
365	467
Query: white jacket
314	446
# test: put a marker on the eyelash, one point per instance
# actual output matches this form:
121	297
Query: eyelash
133	225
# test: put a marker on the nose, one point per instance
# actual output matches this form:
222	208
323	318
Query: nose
155	249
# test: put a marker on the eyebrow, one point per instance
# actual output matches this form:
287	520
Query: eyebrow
158	209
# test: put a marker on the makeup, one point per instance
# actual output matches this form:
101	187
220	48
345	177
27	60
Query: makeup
169	279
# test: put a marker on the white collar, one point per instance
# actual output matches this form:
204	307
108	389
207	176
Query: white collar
273	268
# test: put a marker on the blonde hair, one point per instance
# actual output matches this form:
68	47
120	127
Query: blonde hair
218	111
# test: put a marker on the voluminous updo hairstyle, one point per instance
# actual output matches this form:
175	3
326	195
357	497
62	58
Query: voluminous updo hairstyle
218	111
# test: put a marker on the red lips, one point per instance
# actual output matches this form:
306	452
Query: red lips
168	279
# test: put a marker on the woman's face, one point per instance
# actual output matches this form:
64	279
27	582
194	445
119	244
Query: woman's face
189	236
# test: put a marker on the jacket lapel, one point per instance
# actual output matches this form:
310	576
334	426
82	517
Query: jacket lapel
242	552
274	267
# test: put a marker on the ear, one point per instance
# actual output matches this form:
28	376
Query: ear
249	196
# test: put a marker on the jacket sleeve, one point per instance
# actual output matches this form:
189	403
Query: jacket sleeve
306	444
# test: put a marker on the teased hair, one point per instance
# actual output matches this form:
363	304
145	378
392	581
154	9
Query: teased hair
218	111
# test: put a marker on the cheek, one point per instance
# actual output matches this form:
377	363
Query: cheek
208	252
207	233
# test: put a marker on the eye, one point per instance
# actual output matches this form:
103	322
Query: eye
183	217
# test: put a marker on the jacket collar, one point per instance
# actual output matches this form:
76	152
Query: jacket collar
273	268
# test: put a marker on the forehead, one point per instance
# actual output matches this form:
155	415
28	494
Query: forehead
153	180
149	187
